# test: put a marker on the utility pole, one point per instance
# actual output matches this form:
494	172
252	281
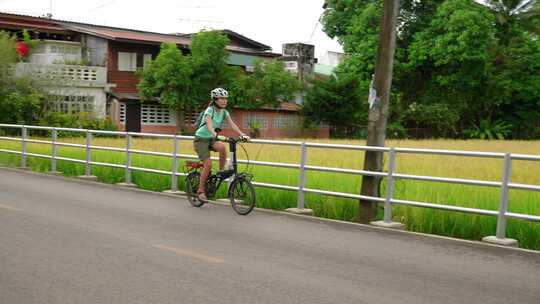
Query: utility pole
378	112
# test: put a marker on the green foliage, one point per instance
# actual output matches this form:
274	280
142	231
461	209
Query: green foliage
489	130
268	85
209	62
20	100
255	129
396	130
169	77
184	82
437	116
81	120
526	13
83	62
8	53
335	101
457	61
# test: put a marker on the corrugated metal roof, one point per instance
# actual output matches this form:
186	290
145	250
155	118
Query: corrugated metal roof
257	45
284	106
130	97
125	34
21	21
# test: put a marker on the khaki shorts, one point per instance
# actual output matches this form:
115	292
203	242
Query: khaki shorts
203	146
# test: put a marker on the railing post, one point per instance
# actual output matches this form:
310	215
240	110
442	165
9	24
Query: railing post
302	177
387	220
54	150
24	136
500	236
390	186
503	206
87	165
128	159
127	180
174	177
301	184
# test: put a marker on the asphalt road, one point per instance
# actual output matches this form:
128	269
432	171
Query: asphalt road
65	241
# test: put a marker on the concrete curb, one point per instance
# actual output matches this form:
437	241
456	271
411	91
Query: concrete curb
224	202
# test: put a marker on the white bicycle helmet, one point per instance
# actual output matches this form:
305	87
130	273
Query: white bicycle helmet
219	93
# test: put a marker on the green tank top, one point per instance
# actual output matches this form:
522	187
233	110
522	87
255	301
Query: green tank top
217	119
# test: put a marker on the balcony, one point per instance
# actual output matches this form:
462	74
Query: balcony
64	75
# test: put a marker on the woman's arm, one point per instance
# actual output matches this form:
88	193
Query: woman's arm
233	125
209	126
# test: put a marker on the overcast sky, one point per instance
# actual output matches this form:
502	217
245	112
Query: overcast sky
270	22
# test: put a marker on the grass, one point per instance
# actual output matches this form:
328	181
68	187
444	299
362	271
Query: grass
446	223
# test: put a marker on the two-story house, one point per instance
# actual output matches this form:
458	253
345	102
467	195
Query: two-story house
92	68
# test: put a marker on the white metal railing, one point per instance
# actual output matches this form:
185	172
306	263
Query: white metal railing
94	75
502	213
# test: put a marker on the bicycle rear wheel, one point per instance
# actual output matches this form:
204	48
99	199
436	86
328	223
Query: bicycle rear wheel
242	196
192	186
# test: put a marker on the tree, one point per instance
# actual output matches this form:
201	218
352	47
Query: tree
183	82
509	12
169	77
335	101
478	61
268	85
20	100
209	63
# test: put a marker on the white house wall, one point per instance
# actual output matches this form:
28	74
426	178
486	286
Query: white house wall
100	97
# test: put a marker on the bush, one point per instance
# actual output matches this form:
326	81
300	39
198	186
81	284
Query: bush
81	120
396	130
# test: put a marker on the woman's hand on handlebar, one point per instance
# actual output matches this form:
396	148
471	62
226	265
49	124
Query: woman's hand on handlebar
221	138
244	138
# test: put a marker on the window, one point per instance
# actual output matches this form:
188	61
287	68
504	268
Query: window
127	62
73	104
146	59
283	121
157	115
123	112
191	116
255	118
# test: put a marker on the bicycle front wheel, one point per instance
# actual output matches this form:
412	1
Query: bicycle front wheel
242	196
192	186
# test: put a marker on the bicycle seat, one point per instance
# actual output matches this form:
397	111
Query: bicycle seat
194	164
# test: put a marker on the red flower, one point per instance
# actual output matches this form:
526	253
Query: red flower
22	49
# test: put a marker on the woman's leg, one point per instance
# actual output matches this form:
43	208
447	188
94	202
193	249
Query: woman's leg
220	147
204	174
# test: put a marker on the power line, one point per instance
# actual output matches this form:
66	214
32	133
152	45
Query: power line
101	6
315	27
201	20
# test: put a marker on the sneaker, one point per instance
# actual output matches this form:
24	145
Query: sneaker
202	197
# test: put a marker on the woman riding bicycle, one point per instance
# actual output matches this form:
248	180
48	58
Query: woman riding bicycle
206	137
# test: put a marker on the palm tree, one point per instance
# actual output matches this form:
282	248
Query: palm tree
508	12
